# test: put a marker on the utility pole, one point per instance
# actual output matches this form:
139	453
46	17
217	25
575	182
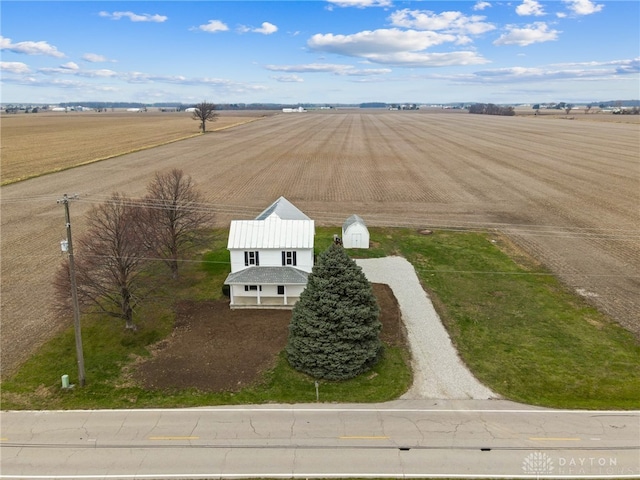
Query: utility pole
74	292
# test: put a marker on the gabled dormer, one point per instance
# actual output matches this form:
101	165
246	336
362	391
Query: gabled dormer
284	210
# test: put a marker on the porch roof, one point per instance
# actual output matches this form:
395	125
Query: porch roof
268	276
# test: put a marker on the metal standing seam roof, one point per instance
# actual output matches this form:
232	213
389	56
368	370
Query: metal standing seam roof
271	233
268	276
353	219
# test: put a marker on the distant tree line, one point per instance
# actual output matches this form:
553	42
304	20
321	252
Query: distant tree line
104	105
491	109
178	106
618	107
373	105
620	103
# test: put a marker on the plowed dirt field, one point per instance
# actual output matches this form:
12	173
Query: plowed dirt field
566	191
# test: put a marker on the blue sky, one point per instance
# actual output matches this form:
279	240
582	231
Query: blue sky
333	51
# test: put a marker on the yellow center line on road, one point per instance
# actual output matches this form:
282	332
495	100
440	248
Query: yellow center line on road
555	439
174	438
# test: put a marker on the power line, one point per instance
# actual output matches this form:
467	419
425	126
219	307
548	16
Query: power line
389	219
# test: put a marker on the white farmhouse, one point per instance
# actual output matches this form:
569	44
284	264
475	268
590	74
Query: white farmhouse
355	233
271	257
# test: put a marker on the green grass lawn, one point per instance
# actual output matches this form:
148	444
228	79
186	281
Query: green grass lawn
520	331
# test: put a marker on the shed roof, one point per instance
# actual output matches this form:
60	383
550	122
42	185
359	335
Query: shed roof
271	233
268	276
283	209
353	219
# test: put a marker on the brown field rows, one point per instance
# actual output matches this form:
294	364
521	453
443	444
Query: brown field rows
45	142
565	191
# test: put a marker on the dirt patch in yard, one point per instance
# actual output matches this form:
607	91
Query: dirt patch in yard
214	348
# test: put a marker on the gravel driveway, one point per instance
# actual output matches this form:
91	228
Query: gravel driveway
438	371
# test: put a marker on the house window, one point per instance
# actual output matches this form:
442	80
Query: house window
280	289
289	258
252	288
251	258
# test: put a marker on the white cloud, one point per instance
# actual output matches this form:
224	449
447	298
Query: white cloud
309	68
579	71
70	66
361	3
535	33
14	67
94	58
368	42
530	7
30	48
73	69
449	22
214	26
481	5
336	69
420	59
367	72
512	73
621	66
288	78
395	47
628	66
219	83
135	17
583	7
101	73
266	29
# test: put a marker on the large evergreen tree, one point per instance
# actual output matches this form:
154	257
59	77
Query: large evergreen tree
334	330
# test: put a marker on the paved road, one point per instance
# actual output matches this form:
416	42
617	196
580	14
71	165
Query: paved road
402	438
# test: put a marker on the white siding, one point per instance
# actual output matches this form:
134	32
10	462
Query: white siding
273	258
356	236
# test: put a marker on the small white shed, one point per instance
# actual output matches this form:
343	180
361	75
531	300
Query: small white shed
355	233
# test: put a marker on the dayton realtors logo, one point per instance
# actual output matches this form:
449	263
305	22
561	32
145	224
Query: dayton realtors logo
537	463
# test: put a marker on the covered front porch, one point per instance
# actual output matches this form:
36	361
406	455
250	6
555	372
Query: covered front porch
266	287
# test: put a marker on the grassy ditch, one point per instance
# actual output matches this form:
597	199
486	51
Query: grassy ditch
518	329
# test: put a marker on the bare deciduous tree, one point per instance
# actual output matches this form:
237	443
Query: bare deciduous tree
568	107
205	112
108	260
175	215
